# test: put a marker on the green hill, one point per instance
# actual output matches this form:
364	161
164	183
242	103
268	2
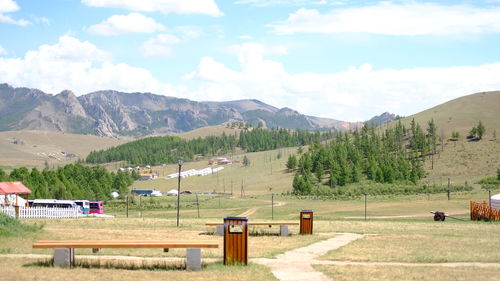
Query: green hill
462	114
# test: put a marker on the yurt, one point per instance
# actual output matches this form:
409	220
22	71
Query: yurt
495	201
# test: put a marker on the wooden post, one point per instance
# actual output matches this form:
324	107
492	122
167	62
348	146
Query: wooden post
365	204
127	206
140	205
489	198
272	206
448	189
198	205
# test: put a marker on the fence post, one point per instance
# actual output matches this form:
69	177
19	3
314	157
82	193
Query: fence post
489	199
198	205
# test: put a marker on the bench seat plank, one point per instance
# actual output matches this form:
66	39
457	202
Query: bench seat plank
256	223
124	244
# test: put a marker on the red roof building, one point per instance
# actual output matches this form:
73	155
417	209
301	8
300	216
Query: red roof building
10	188
13	187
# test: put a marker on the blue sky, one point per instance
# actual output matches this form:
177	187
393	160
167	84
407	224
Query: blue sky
347	60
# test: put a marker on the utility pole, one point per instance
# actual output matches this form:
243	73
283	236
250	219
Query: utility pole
127	206
448	189
272	206
489	199
198	205
140	205
365	202
181	160
242	191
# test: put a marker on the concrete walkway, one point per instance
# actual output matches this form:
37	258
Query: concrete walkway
297	264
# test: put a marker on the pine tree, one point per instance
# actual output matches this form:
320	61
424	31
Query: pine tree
480	130
246	161
291	163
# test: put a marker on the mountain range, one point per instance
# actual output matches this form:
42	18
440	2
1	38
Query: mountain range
114	114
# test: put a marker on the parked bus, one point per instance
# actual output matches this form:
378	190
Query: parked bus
96	207
85	205
52	203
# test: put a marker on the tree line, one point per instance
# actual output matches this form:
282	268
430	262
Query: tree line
73	181
395	155
168	149
162	150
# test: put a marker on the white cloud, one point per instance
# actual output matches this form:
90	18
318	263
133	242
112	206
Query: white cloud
188	32
9	6
268	3
131	23
159	46
2	50
354	94
409	18
78	66
205	7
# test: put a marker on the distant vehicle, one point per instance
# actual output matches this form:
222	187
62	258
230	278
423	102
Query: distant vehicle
172	192
52	203
85	205
146	192
96	207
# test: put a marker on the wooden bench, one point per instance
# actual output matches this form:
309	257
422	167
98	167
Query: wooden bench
64	251
219	230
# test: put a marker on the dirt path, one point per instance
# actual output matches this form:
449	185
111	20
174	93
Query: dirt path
297	264
248	212
251	211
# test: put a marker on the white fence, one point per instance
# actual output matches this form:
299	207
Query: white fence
43	212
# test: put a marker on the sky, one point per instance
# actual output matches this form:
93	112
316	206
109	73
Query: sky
347	60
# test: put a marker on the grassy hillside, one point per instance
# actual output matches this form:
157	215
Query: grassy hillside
32	148
462	114
463	160
265	171
209	131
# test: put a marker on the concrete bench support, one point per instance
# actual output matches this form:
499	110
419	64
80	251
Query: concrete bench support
283	230
219	230
64	257
193	259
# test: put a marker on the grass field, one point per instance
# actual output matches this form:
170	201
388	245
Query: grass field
399	229
33	147
403	273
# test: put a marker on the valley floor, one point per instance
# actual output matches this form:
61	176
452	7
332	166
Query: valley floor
399	241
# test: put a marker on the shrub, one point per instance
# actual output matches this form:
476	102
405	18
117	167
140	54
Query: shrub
12	227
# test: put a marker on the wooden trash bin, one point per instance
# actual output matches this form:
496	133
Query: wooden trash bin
306	222
235	240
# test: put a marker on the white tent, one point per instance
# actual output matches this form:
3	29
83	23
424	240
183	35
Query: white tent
495	201
172	192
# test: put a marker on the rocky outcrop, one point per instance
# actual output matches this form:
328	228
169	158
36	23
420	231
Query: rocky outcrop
113	113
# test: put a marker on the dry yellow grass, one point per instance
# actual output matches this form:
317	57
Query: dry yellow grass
210	131
413	241
464	161
23	269
150	229
265	171
35	147
403	273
